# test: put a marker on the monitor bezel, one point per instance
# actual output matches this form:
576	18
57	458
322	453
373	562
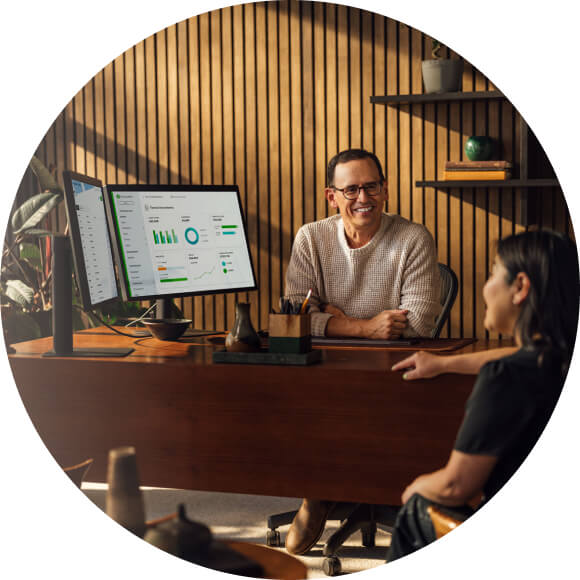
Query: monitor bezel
109	189
76	243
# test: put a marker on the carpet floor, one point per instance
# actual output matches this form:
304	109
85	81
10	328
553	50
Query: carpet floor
244	517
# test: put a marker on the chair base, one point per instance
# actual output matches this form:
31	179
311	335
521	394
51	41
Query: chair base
354	517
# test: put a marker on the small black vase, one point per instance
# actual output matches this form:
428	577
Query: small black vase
242	337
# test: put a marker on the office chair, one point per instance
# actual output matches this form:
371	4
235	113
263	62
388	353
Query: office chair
447	297
365	517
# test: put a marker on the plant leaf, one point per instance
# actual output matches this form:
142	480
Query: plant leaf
30	253
19	292
34	210
45	178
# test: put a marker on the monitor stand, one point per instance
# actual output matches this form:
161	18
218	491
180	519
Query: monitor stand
62	328
164	309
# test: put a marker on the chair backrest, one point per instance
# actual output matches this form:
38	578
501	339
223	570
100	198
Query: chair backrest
447	297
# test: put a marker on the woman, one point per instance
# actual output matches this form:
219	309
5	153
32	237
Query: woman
532	294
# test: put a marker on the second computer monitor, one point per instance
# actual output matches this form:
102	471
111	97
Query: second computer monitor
177	240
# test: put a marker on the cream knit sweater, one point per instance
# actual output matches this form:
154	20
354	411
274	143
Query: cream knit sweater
397	269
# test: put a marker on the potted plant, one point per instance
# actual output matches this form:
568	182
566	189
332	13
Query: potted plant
441	75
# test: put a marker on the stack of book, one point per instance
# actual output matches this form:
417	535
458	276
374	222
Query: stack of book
477	170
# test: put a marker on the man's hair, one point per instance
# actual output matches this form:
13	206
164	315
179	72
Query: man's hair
350	155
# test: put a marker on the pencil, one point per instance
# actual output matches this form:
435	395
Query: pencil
305	303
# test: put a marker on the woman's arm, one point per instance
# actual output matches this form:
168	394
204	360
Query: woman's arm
424	365
461	480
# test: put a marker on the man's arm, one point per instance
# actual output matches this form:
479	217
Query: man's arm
459	482
424	365
421	288
387	325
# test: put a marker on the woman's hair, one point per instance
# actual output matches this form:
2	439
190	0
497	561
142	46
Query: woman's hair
549	316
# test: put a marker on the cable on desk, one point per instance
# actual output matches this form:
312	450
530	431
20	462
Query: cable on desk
93	313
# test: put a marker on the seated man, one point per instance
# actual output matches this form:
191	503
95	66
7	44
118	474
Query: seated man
372	275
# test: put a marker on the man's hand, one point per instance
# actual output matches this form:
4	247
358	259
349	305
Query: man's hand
388	324
421	365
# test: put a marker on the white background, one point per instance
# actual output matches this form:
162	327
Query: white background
50	50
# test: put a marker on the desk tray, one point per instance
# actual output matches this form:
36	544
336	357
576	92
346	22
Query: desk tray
267	358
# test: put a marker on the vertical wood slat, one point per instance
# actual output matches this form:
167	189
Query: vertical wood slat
262	95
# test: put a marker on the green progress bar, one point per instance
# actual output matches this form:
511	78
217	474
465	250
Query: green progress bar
173	280
229	227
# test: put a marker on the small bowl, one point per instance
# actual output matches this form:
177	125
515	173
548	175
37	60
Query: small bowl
166	328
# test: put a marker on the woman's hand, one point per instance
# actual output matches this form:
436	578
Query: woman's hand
421	365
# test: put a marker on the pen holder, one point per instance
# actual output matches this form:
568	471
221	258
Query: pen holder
289	333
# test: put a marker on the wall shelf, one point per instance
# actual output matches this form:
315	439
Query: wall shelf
395	100
442	184
528	147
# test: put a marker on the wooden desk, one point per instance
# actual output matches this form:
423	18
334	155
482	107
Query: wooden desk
344	429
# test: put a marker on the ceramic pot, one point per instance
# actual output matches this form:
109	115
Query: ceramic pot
479	148
242	337
181	537
443	75
124	499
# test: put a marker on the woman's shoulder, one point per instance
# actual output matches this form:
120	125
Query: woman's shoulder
520	371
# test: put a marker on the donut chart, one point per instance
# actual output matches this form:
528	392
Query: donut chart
191	236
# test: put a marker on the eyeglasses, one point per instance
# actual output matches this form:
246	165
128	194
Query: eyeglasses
352	191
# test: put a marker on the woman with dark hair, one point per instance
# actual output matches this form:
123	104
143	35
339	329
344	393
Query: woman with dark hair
532	294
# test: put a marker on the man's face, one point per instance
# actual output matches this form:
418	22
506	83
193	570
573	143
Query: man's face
363	213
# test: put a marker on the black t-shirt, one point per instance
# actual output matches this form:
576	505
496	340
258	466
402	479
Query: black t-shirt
510	404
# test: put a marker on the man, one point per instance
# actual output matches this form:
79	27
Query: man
372	275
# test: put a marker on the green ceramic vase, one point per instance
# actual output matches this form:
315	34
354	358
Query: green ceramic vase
479	148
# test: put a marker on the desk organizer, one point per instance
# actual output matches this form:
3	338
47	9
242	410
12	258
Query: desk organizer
267	358
289	333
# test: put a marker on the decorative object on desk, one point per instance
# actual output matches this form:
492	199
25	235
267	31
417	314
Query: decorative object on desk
477	170
193	542
166	328
124	499
441	75
180	536
480	148
289	333
242	337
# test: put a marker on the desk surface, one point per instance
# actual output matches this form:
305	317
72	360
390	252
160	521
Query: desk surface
347	428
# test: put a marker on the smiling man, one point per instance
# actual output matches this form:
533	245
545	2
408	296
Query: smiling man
372	274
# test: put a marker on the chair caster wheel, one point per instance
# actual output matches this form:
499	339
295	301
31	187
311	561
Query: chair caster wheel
331	566
273	538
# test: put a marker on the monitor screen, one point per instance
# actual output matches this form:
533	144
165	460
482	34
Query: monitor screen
177	240
91	247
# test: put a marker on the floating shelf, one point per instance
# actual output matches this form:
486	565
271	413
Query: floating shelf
447	184
437	98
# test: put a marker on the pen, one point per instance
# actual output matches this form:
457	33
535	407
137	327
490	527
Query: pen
305	303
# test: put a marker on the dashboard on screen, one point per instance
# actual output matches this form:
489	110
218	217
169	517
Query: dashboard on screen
92	252
178	240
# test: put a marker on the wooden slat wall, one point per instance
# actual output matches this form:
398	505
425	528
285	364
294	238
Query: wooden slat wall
263	95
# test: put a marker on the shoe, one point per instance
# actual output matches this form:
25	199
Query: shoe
307	526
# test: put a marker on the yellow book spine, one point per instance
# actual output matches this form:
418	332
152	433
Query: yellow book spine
476	175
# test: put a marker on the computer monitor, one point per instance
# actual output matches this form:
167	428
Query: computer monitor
89	236
178	240
93	264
